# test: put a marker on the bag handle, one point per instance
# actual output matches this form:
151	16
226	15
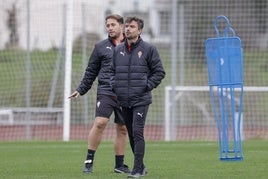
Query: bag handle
227	28
226	31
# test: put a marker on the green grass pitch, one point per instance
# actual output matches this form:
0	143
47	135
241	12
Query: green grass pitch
165	160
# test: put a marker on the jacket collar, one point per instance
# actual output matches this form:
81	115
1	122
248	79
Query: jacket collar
112	39
133	45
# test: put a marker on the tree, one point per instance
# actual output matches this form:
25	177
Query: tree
12	25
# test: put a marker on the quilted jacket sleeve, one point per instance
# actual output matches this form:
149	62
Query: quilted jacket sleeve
91	73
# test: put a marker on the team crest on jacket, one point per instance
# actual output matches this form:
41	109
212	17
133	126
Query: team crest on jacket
139	54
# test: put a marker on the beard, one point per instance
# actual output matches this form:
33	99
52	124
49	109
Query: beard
131	37
114	34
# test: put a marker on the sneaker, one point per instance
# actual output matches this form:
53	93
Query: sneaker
122	169
144	171
88	166
135	174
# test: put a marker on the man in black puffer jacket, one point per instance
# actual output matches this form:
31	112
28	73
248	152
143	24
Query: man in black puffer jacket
99	66
136	70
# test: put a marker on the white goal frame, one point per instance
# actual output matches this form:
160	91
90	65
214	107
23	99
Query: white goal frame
169	129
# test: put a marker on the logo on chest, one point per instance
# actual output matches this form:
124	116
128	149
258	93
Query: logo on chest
109	47
139	54
122	53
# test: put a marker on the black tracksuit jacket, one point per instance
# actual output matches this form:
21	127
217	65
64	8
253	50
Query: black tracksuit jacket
135	72
99	66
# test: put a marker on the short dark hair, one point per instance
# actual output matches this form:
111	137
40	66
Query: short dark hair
117	17
138	20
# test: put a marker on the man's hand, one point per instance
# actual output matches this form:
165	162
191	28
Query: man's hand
74	94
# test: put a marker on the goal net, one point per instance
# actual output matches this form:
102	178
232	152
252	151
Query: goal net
33	54
194	117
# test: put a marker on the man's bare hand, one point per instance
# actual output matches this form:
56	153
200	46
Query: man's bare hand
74	94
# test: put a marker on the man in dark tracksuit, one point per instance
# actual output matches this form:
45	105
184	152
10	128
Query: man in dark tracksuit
135	71
99	66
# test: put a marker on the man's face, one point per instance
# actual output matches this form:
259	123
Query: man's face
113	28
131	30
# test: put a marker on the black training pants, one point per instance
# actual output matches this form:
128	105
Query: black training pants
135	121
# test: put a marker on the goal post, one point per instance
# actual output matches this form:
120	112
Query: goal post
68	70
203	105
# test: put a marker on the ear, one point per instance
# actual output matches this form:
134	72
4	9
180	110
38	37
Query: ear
140	31
122	26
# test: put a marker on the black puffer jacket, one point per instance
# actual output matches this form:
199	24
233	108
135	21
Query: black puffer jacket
99	65
135	72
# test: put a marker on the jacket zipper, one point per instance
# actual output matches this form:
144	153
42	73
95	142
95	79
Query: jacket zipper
129	64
